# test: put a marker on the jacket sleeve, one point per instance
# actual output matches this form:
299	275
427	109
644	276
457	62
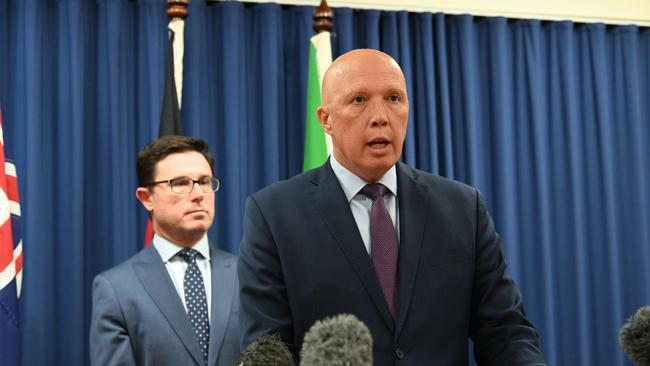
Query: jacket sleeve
263	293
110	343
501	332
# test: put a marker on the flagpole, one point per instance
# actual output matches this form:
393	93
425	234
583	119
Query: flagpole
177	12
170	115
318	145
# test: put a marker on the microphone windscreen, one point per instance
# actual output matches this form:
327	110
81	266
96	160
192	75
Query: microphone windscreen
342	340
268	350
635	337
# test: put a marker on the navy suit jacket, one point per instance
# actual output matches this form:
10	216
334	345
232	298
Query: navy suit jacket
139	319
302	259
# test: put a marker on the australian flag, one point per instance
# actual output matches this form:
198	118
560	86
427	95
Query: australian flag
11	259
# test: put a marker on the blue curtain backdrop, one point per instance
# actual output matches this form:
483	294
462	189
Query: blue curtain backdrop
551	120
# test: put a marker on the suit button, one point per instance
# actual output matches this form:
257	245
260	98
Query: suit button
399	353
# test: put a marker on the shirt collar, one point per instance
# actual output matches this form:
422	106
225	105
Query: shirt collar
168	250
352	184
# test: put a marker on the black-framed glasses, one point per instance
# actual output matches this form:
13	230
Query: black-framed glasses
186	184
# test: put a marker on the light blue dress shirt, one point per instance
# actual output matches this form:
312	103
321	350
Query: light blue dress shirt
360	204
176	266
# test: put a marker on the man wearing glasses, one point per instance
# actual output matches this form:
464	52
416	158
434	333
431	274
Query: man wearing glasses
176	301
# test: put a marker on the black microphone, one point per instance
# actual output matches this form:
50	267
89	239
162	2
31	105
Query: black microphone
268	350
342	340
635	337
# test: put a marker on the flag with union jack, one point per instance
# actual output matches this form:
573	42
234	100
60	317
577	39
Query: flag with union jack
11	259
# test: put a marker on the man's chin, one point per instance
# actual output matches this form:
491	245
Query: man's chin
371	176
379	167
198	226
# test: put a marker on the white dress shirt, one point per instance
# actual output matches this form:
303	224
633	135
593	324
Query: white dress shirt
360	204
176	265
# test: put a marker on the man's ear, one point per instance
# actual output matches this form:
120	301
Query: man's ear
144	196
323	118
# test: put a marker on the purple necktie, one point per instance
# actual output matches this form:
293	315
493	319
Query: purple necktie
383	243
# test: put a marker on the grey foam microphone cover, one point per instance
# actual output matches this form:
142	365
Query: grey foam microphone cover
341	340
268	350
635	337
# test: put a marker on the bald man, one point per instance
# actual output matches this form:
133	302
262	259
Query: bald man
413	255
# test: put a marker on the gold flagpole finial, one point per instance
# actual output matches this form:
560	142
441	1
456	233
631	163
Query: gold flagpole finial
177	8
323	17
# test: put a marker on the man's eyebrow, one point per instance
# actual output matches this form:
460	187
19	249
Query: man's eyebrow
362	90
349	93
396	90
187	176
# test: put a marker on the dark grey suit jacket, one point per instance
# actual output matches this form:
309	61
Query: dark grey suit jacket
139	319
302	259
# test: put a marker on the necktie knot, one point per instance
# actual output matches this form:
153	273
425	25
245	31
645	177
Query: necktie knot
188	255
374	190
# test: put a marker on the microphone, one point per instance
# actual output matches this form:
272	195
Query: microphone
267	350
635	337
342	340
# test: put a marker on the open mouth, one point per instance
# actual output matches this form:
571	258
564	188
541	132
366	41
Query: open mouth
379	143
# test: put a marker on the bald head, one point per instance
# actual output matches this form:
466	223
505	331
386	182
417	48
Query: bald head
365	112
353	64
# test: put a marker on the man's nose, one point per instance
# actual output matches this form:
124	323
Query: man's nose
379	113
196	192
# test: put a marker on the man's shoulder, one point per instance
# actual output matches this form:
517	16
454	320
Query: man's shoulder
437	183
124	269
298	182
222	255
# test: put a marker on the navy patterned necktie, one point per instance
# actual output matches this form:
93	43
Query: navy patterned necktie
196	301
383	244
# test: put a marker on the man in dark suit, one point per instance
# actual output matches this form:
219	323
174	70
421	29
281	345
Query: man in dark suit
175	302
413	255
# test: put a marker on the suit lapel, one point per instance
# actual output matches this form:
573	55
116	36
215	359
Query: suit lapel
412	218
155	279
223	287
330	201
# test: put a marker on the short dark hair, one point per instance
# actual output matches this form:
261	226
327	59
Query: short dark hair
159	149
